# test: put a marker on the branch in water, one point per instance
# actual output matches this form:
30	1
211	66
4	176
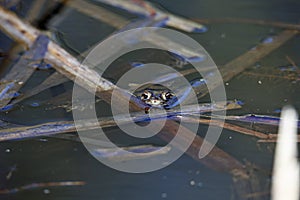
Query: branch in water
41	185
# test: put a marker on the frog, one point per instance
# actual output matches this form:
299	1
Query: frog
156	98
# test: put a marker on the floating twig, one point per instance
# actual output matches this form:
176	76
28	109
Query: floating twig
256	194
250	21
292	62
255	119
273	139
122	154
98	13
11	171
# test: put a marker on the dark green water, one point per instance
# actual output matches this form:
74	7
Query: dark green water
53	159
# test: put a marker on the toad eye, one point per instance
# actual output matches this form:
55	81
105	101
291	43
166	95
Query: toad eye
166	96
146	95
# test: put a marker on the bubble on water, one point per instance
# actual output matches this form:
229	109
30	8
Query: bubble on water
46	191
259	82
200	184
164	195
192	182
7	150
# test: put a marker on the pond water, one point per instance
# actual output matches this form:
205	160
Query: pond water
53	159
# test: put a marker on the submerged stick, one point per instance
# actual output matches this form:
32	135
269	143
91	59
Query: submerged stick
35	10
98	13
252	118
41	185
246	60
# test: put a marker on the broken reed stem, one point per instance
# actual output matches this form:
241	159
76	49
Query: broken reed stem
87	78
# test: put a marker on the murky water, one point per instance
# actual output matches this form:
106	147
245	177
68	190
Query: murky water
55	159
